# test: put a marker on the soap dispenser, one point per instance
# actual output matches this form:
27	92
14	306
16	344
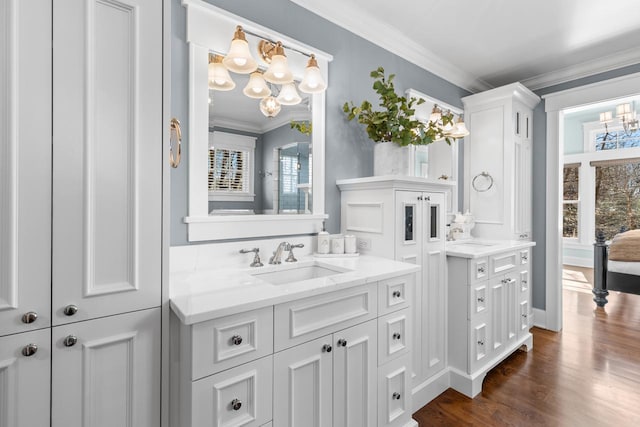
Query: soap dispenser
323	241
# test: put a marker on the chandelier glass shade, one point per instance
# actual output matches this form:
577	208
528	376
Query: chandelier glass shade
270	106
219	78
239	59
312	81
256	88
289	95
627	116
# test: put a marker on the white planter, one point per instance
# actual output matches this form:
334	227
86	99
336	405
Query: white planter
391	159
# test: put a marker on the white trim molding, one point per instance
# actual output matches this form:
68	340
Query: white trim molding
555	105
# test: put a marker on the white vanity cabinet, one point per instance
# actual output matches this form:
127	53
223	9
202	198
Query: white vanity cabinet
403	218
497	161
80	212
340	358
489	312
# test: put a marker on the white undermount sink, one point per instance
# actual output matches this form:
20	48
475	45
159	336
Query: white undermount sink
287	274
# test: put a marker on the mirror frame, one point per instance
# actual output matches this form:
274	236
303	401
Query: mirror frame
210	28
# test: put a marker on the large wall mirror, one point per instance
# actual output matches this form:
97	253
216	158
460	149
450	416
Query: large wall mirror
251	173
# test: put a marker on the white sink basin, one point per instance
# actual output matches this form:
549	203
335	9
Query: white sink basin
297	273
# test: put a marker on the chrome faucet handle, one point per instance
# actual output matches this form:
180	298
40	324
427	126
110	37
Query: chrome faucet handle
291	257
256	259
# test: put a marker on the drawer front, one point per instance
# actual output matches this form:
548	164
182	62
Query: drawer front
394	294
237	396
394	335
309	318
524	318
394	401
225	342
478	300
479	343
524	282
524	256
478	270
503	263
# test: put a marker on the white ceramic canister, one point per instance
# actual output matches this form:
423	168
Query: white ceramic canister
337	244
323	243
349	244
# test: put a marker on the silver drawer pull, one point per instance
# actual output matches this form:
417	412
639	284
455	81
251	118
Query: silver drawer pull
326	348
480	342
29	317
481	269
396	294
480	299
70	310
342	342
524	315
70	340
236	340
236	404
396	396
29	350
397	336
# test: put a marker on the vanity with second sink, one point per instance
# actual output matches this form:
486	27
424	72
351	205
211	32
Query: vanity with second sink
322	341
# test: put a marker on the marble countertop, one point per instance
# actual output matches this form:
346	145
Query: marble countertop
201	295
477	248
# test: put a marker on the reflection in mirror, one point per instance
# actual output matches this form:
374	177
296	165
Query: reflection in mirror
257	164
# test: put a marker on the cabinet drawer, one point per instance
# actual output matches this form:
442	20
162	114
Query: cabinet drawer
503	263
478	299
478	270
225	342
394	334
394	401
238	396
309	318
524	282
394	294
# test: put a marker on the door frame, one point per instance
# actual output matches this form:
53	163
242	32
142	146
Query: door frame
555	104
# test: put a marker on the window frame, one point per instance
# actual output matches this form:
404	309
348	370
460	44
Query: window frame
244	143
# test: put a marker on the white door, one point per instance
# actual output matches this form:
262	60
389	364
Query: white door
355	376
25	361
107	81
408	246
106	372
302	385
434	285
25	165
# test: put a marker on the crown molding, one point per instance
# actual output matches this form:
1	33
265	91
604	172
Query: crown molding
395	41
584	69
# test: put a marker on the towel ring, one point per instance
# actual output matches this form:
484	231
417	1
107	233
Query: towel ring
174	129
485	175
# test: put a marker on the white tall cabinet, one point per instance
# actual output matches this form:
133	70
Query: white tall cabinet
80	212
403	218
497	161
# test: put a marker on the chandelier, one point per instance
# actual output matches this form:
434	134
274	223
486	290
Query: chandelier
263	83
627	116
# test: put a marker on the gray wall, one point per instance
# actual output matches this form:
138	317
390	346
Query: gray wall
539	153
349	153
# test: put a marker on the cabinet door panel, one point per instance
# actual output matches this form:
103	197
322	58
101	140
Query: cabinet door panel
107	150
25	164
355	376
302	385
24	380
111	375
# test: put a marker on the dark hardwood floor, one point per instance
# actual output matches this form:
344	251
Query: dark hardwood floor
586	375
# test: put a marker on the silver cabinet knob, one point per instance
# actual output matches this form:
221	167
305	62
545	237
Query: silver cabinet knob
480	342
326	348
70	310
397	336
29	350
236	340
342	342
396	396
236	404
481	269
480	299
29	317
396	294
524	315
70	340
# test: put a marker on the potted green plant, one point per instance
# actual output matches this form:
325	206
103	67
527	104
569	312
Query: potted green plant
394	125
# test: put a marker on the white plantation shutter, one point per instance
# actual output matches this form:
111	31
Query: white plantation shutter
230	171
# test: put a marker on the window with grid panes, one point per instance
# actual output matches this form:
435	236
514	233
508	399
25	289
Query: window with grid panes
230	170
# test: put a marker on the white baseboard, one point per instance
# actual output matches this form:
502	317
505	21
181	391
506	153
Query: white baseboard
430	389
539	318
578	262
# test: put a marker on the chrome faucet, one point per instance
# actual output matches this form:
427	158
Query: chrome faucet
256	259
277	255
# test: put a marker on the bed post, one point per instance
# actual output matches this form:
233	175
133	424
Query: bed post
600	291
